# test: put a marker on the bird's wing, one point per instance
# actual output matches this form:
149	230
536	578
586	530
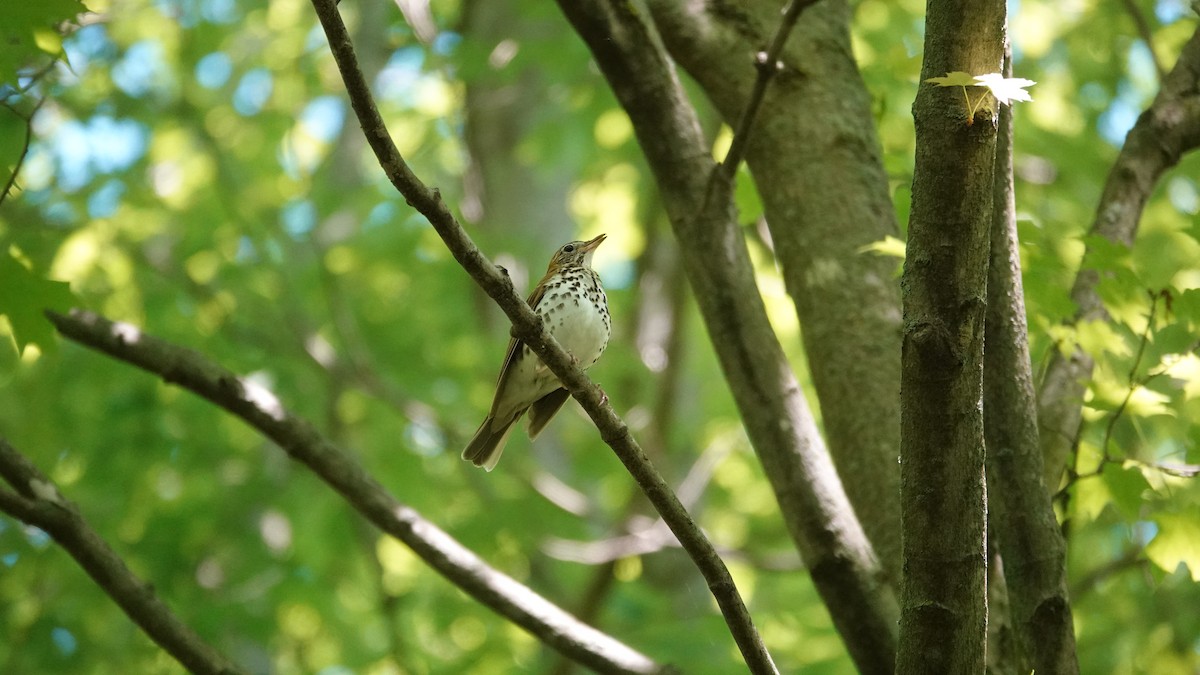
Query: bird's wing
515	345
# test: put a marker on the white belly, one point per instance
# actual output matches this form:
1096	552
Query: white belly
580	324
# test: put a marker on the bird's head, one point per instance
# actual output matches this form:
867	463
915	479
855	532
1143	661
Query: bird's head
576	254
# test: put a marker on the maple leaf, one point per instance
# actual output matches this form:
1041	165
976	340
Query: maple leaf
1005	89
23	297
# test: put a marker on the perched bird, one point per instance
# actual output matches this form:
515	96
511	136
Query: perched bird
573	307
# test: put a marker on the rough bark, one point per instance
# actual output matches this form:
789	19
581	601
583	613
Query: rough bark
1166	130
943	621
815	159
1001	652
1022	517
715	257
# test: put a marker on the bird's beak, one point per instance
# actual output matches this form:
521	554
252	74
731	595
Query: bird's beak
591	245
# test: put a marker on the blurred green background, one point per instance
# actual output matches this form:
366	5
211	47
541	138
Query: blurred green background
193	169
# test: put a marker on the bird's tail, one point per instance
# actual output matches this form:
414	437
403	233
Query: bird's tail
488	443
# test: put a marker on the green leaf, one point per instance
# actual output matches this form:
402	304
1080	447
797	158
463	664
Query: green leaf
1005	89
1161	254
746	198
1186	306
24	32
23	298
1146	402
1105	255
1177	541
1175	338
1099	337
13	129
1125	484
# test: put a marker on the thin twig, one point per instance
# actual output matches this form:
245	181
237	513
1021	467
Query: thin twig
767	63
1167	130
1144	32
263	411
36	76
12	179
1135	383
1132	557
37	502
529	329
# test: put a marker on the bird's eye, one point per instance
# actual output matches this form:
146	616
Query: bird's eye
569	248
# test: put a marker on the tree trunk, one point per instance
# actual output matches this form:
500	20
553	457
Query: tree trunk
816	162
1027	532
943	621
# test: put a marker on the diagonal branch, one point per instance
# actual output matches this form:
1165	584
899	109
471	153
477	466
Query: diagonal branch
36	501
528	328
11	183
767	63
263	411
1167	130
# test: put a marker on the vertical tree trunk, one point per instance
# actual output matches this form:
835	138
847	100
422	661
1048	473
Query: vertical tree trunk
1027	532
943	621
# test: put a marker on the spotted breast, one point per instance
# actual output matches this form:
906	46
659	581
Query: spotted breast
571	302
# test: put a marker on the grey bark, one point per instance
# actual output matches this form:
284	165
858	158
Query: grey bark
1001	652
943	621
815	158
1022	517
715	257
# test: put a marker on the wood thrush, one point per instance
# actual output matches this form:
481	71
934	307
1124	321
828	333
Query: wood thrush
573	307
